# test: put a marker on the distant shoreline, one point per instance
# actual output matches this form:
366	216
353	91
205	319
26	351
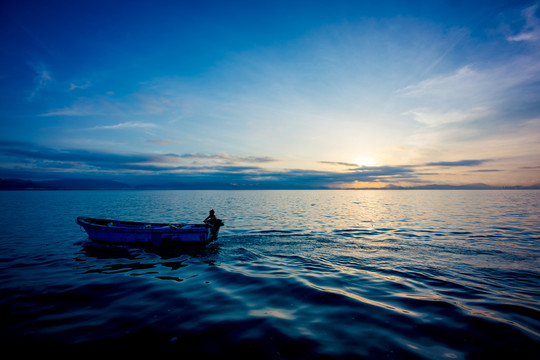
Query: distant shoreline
85	184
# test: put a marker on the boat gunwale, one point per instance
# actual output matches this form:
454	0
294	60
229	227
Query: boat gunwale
141	227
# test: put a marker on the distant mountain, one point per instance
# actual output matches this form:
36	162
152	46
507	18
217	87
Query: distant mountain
477	186
85	184
63	184
17	184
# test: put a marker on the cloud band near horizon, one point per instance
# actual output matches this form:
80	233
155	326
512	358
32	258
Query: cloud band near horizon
33	161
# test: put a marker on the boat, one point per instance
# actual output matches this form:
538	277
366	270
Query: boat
149	234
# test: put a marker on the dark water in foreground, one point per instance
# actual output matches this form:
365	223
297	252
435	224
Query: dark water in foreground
295	274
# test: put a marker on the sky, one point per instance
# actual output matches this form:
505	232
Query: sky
271	94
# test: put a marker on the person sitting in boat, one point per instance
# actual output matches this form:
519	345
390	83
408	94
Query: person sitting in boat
212	220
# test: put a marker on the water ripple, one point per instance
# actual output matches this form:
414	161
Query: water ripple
294	275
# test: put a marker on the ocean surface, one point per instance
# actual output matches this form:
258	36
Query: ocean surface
294	275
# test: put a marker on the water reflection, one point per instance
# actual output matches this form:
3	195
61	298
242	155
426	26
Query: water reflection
114	251
160	263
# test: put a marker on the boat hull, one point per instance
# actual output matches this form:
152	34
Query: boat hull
153	234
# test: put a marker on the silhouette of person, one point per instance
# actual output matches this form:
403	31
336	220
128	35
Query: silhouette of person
211	218
213	223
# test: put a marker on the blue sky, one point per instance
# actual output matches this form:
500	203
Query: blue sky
280	94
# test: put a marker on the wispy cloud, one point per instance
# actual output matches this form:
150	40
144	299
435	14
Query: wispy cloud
480	107
340	163
164	142
450	89
43	78
228	157
75	110
473	91
434	118
126	125
459	163
73	86
139	103
485	170
531	29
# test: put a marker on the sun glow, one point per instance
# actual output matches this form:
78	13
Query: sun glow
365	161
364	185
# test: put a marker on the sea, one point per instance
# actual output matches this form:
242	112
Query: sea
308	274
